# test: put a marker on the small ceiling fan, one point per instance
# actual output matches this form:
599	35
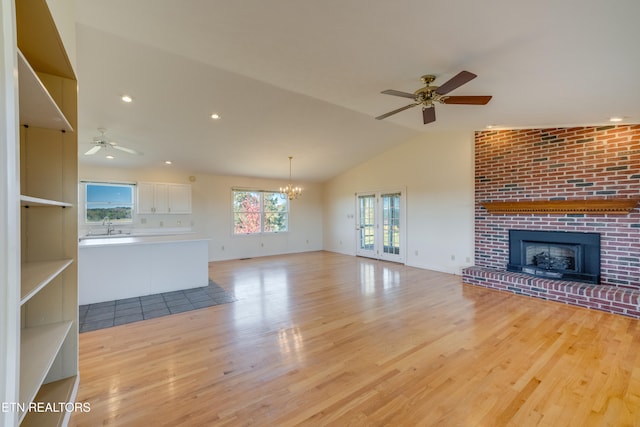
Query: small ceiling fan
100	142
428	95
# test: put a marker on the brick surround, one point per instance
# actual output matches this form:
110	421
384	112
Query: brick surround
550	164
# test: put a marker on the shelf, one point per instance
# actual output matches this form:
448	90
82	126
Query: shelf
35	201
37	107
601	207
39	39
37	275
39	347
63	390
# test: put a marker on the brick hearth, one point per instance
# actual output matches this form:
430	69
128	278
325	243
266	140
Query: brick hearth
560	164
606	298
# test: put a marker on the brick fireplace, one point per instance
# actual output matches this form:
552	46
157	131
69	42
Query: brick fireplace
572	164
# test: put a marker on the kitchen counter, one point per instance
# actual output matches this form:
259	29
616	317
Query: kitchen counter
116	267
119	239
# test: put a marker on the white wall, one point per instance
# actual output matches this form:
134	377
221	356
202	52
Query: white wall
305	222
437	172
211	196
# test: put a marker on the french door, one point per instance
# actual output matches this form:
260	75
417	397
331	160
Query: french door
380	225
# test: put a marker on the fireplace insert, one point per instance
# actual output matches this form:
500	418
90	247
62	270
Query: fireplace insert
562	255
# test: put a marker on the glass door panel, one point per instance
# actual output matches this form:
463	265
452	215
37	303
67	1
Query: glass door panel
390	225
366	227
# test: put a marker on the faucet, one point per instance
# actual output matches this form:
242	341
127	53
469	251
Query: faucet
110	227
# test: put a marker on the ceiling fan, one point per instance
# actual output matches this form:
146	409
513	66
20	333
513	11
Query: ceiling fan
428	95
100	142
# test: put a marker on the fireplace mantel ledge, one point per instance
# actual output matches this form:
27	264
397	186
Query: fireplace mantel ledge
602	206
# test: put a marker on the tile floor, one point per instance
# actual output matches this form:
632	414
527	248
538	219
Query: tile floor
113	313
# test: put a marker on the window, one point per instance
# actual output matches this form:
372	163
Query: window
113	202
259	212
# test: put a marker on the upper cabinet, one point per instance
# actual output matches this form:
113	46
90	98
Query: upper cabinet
163	198
151	198
179	198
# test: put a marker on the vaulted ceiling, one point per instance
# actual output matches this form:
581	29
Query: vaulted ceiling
303	78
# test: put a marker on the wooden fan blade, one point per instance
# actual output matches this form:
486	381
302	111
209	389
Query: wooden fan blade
390	113
455	82
399	93
428	115
470	100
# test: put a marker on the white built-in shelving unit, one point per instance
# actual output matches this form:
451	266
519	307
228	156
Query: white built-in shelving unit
46	293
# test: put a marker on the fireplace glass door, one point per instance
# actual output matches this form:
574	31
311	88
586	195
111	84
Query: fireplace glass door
555	256
565	255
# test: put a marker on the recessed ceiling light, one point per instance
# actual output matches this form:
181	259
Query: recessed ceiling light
616	119
215	116
110	157
126	98
168	162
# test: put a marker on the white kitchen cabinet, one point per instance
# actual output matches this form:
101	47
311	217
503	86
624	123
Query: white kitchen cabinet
144	198
163	198
152	198
179	198
39	340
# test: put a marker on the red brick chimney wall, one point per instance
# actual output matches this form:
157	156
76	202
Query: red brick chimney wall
564	163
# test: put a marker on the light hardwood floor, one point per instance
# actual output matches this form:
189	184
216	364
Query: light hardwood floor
326	339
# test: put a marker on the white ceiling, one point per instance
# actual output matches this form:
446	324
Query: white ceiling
303	78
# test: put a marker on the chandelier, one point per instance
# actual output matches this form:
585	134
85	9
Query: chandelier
291	191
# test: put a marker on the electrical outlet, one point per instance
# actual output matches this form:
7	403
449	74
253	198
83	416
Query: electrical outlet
453	257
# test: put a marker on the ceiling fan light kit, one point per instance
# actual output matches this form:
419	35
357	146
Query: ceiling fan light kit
428	95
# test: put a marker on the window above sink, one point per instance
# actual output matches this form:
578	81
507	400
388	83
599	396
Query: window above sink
109	204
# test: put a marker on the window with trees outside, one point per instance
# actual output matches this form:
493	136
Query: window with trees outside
260	212
110	202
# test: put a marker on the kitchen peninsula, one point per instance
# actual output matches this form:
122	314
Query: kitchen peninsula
112	268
